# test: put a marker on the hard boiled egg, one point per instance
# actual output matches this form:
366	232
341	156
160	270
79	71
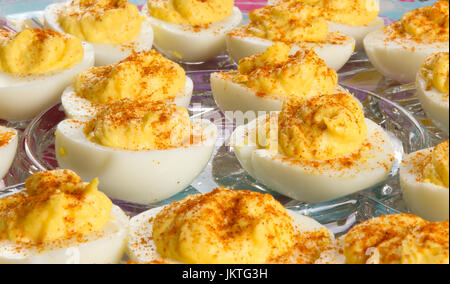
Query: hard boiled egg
76	106
192	44
358	33
316	180
105	54
335	51
104	247
137	176
141	228
424	198
9	140
399	59
24	97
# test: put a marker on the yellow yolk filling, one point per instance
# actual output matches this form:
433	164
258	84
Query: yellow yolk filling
275	72
192	12
147	75
35	51
347	12
435	71
397	239
427	245
136	126
429	23
437	170
321	128
288	22
224	226
56	205
102	21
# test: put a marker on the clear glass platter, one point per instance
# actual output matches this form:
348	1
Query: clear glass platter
393	106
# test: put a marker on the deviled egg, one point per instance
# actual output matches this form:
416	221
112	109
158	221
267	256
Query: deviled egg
397	239
424	181
264	81
399	50
8	148
316	149
432	89
142	152
355	18
226	227
58	219
115	28
297	24
144	76
192	31
35	67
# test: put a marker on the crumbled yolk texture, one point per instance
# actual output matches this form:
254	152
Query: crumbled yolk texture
136	126
321	128
102	21
36	51
435	71
398	239
275	72
5	136
224	227
56	205
436	171
288	22
192	12
347	12
146	75
429	23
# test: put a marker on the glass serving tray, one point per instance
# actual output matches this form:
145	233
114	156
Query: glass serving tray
393	106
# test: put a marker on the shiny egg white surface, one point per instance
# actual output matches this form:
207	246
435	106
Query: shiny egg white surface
9	141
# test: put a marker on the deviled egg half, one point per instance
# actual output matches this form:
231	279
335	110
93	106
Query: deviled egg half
192	31
226	227
355	18
35	67
399	50
115	28
142	152
424	179
264	81
316	149
8	147
297	24
432	89
397	239
58	219
144	76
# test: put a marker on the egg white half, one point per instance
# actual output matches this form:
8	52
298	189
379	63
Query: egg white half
24	97
356	32
316	181
136	176
231	96
146	252
8	151
335	55
192	45
105	54
104	247
76	106
426	200
434	103
399	60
